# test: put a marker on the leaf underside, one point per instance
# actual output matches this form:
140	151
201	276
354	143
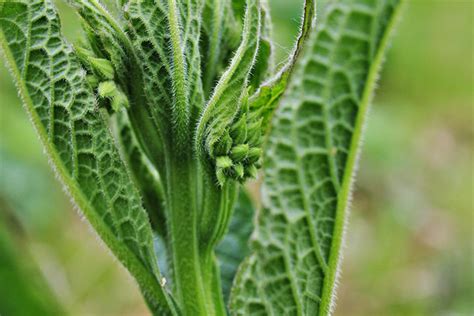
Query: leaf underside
309	162
77	139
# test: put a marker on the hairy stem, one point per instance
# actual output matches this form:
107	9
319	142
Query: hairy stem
183	236
195	270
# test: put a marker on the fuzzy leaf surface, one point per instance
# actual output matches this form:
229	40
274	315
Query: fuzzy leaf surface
268	95
145	175
309	163
77	139
165	36
220	37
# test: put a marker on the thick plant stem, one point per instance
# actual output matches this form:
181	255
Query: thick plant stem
182	228
195	272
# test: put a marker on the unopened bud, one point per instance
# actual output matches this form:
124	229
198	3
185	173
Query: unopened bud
239	130
107	89
92	80
251	172
223	162
239	152
222	146
102	66
119	101
254	154
239	170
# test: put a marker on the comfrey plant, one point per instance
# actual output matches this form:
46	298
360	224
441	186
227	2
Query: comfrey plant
157	117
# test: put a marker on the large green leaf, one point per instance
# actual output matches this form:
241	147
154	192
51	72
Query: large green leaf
309	163
107	39
77	140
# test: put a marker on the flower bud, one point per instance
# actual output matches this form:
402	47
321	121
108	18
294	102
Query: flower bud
239	152
102	66
239	171
222	146
107	89
254	155
119	100
92	80
251	172
239	130
223	162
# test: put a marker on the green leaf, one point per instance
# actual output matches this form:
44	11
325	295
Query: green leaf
234	247
309	163
77	139
179	77
191	13
221	28
266	98
166	36
151	91
265	60
220	37
144	174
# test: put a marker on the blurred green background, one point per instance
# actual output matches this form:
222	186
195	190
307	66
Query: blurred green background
410	240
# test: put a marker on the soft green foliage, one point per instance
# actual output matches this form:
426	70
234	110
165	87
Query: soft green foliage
190	89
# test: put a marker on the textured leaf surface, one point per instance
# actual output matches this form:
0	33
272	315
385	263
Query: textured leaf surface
309	164
145	175
165	35
76	137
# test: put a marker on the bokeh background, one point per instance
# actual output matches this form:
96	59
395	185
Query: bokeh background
410	239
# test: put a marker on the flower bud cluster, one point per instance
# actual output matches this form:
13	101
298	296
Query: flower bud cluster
238	151
101	77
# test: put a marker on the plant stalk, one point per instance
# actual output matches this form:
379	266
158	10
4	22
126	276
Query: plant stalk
195	272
